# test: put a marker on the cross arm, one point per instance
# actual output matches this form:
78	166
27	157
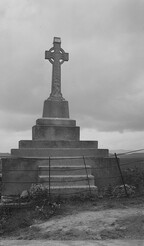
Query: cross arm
49	54
65	56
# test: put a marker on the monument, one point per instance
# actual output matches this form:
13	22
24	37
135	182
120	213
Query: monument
55	156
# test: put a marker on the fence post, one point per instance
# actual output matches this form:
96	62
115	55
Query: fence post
117	160
87	175
49	178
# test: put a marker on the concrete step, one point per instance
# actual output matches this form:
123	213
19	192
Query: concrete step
63	161
70	180
73	190
56	122
42	132
57	144
64	170
46	152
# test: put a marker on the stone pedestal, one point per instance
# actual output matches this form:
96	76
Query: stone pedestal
56	109
55	142
59	137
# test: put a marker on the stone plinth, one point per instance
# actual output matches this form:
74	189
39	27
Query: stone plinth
55	133
57	144
55	129
67	152
56	109
58	139
55	122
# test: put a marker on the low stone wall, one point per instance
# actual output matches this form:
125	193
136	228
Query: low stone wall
19	173
106	172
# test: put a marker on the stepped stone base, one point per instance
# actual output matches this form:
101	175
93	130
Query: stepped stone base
55	129
46	152
57	144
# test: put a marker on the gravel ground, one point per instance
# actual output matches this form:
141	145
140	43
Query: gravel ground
88	221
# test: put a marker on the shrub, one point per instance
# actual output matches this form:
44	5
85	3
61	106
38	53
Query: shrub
38	194
134	177
119	190
40	197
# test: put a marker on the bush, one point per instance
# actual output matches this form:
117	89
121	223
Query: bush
134	177
119	190
40	197
39	194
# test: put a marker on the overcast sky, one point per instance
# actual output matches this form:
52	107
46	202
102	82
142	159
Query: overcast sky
103	79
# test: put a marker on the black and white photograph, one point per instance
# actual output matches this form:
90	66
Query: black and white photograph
71	122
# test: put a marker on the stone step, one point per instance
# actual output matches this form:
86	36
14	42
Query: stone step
73	190
57	144
63	161
51	133
55	122
46	152
64	170
70	180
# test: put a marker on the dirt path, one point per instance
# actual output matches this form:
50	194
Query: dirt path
94	225
102	220
72	243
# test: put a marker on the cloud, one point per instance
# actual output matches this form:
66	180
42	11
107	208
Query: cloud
16	122
10	140
114	140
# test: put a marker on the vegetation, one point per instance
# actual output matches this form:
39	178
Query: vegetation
43	206
135	177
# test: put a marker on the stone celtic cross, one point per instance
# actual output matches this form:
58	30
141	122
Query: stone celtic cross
56	55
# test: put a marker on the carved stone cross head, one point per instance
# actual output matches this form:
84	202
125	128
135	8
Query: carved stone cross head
56	52
56	55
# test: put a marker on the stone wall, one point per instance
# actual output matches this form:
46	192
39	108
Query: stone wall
106	172
20	173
